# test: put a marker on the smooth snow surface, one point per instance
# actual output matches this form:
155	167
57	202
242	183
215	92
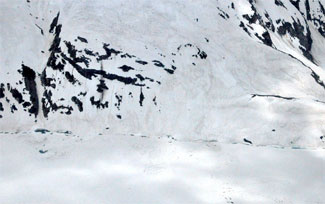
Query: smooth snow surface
138	169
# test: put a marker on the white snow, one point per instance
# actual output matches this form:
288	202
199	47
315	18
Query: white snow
187	148
214	95
135	169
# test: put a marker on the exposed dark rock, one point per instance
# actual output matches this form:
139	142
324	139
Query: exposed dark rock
17	95
279	3
54	23
126	68
141	97
101	86
275	96
42	130
29	76
2	90
43	151
98	103
247	141
70	77
158	63
78	103
84	40
141	62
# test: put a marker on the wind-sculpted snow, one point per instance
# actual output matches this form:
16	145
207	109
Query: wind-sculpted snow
227	70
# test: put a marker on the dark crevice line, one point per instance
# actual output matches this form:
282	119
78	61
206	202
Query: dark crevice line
274	96
285	98
42	32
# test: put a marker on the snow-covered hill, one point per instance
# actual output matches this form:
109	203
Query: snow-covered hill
143	101
221	70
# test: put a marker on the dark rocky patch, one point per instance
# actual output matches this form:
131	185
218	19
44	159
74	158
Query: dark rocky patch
29	76
43	151
223	14
79	59
252	19
297	30
318	21
170	71
101	86
2	90
17	95
279	3
78	103
73	54
109	52
54	23
141	62
158	63
13	108
48	105
26	104
82	94
98	103
247	141
84	40
202	54
296	4
89	73
317	79
266	38
89	52
71	78
242	25
126	55
119	101
55	47
41	130
307	9
45	81
275	96
140	77
141	97
126	68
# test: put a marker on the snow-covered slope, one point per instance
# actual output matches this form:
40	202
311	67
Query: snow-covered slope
143	101
211	70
